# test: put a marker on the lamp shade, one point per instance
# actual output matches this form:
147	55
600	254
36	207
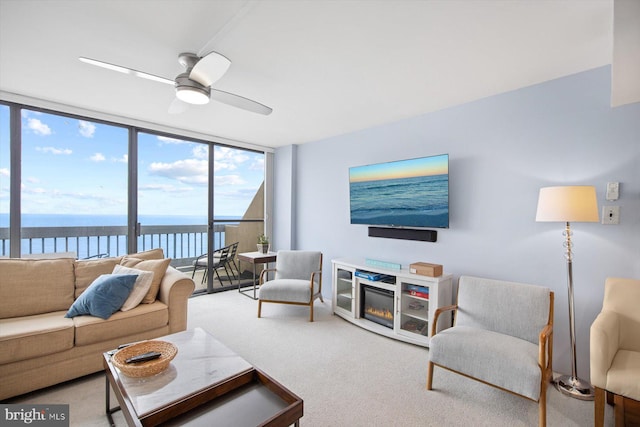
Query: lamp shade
576	203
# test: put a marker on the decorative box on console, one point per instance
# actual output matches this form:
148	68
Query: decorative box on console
426	269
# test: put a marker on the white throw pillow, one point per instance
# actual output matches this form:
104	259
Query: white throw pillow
140	288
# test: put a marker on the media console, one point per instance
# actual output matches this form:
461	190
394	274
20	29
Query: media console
393	303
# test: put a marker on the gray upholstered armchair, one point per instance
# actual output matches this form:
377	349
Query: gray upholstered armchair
615	351
502	336
298	280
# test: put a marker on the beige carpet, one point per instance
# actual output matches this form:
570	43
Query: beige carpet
346	376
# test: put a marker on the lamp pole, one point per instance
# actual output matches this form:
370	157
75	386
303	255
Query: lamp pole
570	384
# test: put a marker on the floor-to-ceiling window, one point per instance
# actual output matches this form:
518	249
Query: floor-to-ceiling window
74	175
91	188
5	180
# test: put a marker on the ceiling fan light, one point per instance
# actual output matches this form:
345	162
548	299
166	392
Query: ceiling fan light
192	95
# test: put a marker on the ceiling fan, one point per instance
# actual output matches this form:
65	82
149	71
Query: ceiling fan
194	85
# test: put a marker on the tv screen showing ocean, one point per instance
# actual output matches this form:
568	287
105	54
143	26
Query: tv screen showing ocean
421	201
113	245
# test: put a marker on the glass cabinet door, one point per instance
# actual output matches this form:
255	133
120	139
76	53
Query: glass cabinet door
414	309
345	292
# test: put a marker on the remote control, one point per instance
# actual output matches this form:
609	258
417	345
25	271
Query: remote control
144	357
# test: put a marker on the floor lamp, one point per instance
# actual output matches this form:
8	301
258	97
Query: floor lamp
569	204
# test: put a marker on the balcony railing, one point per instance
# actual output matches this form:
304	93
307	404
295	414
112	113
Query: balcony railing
182	243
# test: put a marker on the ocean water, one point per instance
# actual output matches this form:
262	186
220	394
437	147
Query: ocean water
182	247
411	202
67	220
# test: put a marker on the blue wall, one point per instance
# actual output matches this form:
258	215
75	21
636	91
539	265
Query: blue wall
502	150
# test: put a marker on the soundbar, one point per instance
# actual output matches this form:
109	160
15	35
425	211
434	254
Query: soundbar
404	234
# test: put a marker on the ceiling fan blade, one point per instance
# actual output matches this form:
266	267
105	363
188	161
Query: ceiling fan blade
240	102
126	70
177	106
210	68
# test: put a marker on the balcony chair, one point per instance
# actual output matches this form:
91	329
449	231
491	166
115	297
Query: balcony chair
502	336
221	259
233	252
297	280
615	352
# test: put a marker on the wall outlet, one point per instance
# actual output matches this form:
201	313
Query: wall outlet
611	215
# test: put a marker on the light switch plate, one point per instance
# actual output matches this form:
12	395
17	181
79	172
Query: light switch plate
613	191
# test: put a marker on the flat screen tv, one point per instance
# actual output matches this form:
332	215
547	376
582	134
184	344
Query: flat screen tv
405	193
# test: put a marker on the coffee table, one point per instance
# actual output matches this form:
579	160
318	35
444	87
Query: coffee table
205	381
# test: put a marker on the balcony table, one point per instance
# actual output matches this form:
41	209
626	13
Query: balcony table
255	258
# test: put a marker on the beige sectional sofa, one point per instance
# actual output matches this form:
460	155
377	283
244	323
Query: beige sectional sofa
40	347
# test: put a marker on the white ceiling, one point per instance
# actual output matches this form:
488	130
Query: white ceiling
325	67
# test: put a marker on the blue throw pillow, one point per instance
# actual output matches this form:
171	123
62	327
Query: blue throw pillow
104	296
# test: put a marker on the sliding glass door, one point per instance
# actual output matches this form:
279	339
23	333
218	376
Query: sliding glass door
173	176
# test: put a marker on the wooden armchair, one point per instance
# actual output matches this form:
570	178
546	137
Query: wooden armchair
502	336
615	352
298	280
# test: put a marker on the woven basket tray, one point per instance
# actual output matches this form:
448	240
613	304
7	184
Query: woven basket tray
148	368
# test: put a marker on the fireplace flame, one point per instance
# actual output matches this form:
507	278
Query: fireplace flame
379	312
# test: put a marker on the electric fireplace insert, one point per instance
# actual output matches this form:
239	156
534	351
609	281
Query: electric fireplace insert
377	305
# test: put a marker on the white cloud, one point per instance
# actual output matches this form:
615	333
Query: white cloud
200	151
227	158
98	157
258	164
4	171
32	180
38	127
229	180
164	188
168	140
54	150
123	159
189	171
86	129
37	190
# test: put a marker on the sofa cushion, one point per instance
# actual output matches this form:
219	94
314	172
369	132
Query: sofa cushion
104	296
159	268
157	253
89	270
140	288
499	359
33	336
145	317
35	286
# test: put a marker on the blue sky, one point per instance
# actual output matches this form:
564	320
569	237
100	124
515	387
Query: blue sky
72	166
423	166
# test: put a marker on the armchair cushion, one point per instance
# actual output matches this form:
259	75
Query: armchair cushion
296	264
623	377
292	290
515	309
502	360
